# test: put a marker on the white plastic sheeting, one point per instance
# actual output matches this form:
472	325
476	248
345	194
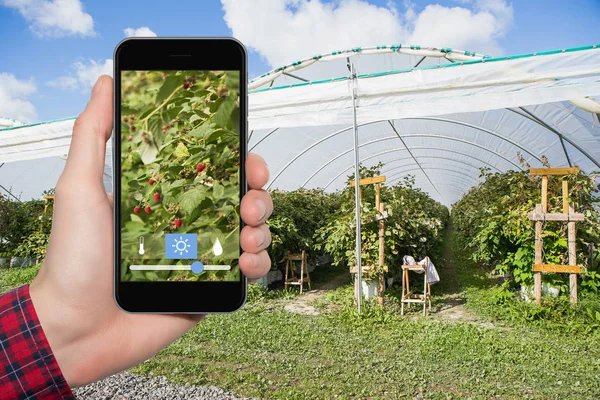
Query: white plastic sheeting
440	90
34	141
33	156
439	122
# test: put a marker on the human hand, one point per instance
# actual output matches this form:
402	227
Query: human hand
90	336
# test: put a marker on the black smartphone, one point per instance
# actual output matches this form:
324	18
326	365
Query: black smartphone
179	148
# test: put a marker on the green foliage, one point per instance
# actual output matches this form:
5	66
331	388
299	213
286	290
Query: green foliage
180	142
33	246
413	226
18	220
297	215
491	221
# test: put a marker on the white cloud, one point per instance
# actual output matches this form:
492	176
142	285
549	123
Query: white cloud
475	29
286	30
84	75
13	98
143	31
54	18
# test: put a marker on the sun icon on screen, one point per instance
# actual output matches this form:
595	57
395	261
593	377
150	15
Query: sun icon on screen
181	245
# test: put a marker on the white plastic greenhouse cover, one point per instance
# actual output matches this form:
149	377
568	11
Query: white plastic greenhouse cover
440	122
437	114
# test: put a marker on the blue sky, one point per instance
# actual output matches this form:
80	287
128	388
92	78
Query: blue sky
52	51
40	57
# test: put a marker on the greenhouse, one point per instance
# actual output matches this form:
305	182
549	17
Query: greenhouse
440	116
417	109
480	173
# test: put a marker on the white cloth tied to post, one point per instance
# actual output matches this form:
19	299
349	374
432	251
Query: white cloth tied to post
432	274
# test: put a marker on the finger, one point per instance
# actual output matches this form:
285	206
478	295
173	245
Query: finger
254	239
255	266
257	172
90	132
256	207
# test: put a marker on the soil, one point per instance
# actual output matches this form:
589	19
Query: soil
301	304
449	303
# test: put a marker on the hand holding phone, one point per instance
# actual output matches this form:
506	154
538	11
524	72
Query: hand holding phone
90	336
180	142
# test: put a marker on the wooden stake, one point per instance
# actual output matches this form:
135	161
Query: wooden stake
538	255
544	194
553	171
381	285
572	257
565	193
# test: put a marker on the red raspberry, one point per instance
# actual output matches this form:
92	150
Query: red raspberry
147	209
136	210
178	223
151	181
157	196
200	167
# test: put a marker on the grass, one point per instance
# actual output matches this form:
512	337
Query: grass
266	352
497	303
11	278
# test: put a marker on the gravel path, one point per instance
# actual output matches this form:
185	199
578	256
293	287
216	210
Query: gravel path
129	386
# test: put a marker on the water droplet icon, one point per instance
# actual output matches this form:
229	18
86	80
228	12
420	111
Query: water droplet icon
217	248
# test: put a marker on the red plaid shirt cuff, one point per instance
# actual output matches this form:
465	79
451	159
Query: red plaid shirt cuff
28	369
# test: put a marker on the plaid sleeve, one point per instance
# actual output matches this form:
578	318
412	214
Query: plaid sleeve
28	369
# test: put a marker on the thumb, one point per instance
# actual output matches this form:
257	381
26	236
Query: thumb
85	162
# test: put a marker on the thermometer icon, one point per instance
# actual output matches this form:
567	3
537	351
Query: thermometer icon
141	250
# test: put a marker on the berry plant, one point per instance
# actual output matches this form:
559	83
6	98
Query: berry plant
491	222
180	156
414	225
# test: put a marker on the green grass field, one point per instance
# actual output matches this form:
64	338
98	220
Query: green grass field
509	350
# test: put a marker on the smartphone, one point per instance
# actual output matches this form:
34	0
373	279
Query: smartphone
179	148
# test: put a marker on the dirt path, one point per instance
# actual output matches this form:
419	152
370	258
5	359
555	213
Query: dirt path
448	297
452	307
301	304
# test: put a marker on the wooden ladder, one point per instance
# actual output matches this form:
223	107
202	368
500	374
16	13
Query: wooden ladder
409	297
569	216
290	275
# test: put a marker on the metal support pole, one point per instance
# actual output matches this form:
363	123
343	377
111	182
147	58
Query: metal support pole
356	190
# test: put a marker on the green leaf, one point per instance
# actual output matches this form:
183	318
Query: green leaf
136	218
148	152
173	111
223	114
147	111
177	184
191	200
175	168
169	85
167	144
218	190
181	151
202	131
138	196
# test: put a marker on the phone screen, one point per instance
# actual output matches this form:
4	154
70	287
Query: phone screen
179	175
